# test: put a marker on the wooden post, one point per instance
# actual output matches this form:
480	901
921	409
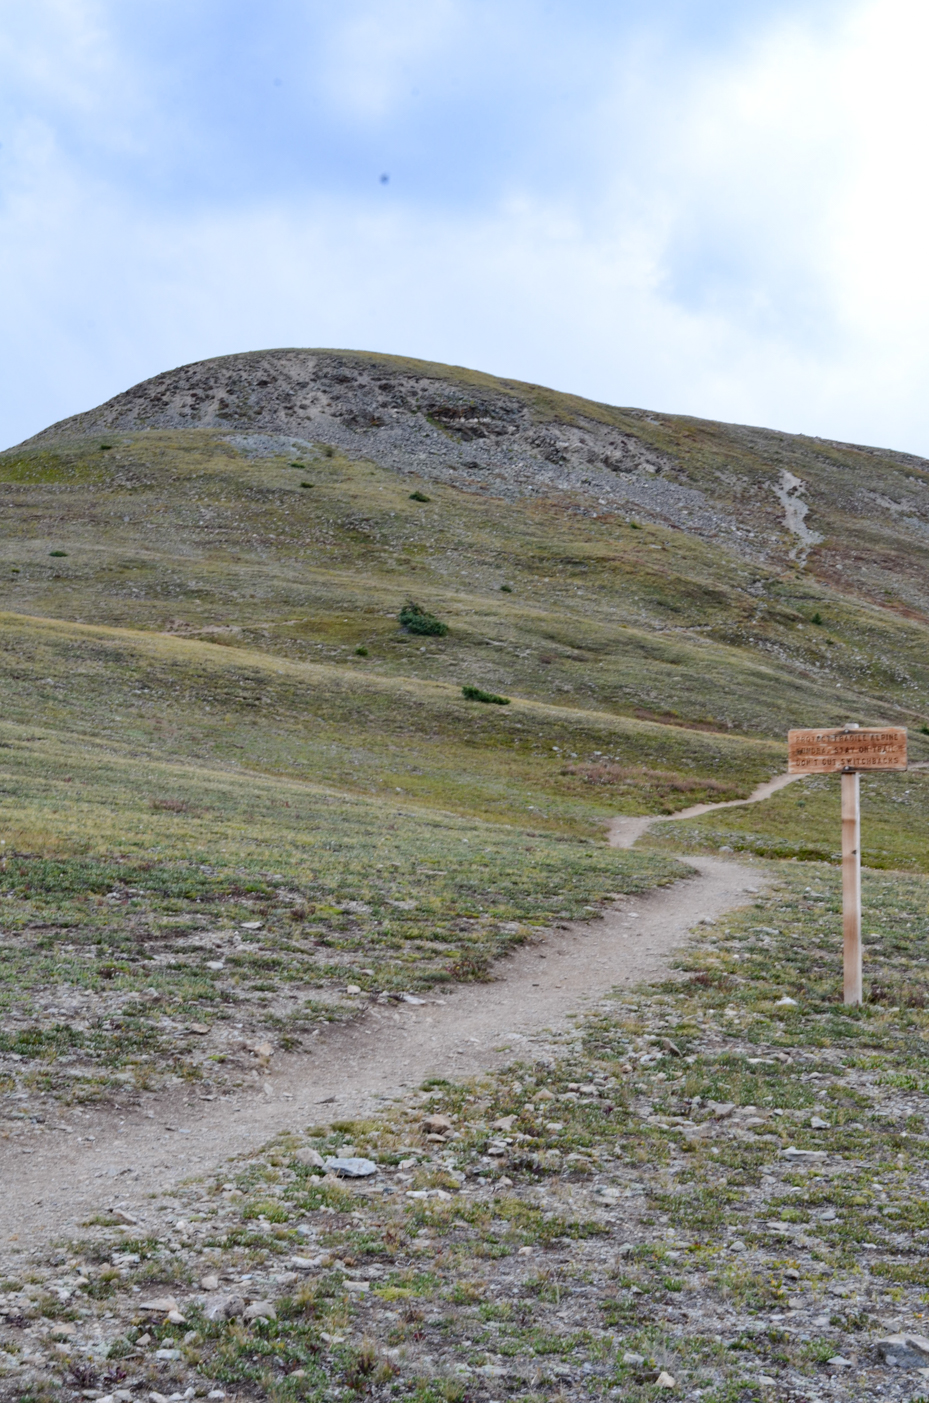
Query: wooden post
846	750
851	886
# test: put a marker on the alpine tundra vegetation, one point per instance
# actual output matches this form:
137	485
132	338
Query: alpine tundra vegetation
324	674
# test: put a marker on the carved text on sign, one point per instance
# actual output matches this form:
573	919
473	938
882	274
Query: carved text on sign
822	752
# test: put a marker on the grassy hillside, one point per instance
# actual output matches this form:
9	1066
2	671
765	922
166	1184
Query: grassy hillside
181	532
211	711
152	909
237	800
560	768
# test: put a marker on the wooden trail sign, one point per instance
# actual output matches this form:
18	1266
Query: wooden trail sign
848	750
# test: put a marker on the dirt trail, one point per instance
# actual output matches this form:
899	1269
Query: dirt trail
55	1174
624	832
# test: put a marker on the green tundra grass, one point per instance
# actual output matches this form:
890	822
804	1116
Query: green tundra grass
803	822
211	714
178	532
559	767
142	896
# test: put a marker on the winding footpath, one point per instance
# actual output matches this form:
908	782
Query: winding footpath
75	1163
625	832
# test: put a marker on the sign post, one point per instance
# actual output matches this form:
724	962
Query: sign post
848	750
851	886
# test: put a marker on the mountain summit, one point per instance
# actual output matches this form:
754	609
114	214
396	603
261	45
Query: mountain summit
855	517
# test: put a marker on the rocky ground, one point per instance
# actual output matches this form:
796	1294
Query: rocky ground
480	437
714	1188
118	979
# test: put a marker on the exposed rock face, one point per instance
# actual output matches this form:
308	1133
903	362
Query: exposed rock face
439	422
856	517
329	396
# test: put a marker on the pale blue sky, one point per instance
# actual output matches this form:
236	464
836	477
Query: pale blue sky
715	208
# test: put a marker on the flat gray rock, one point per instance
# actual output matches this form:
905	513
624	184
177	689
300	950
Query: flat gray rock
260	1310
354	1168
158	1304
905	1351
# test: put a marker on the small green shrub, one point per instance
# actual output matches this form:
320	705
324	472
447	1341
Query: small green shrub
328	451
273	1212
306	484
415	619
361	651
635	526
58	552
817	618
301	466
419	497
924	730
506	589
104	1284
477	694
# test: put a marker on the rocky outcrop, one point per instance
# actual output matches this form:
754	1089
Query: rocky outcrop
437	422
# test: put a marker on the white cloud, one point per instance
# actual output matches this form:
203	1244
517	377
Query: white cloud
881	244
375	56
734	233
